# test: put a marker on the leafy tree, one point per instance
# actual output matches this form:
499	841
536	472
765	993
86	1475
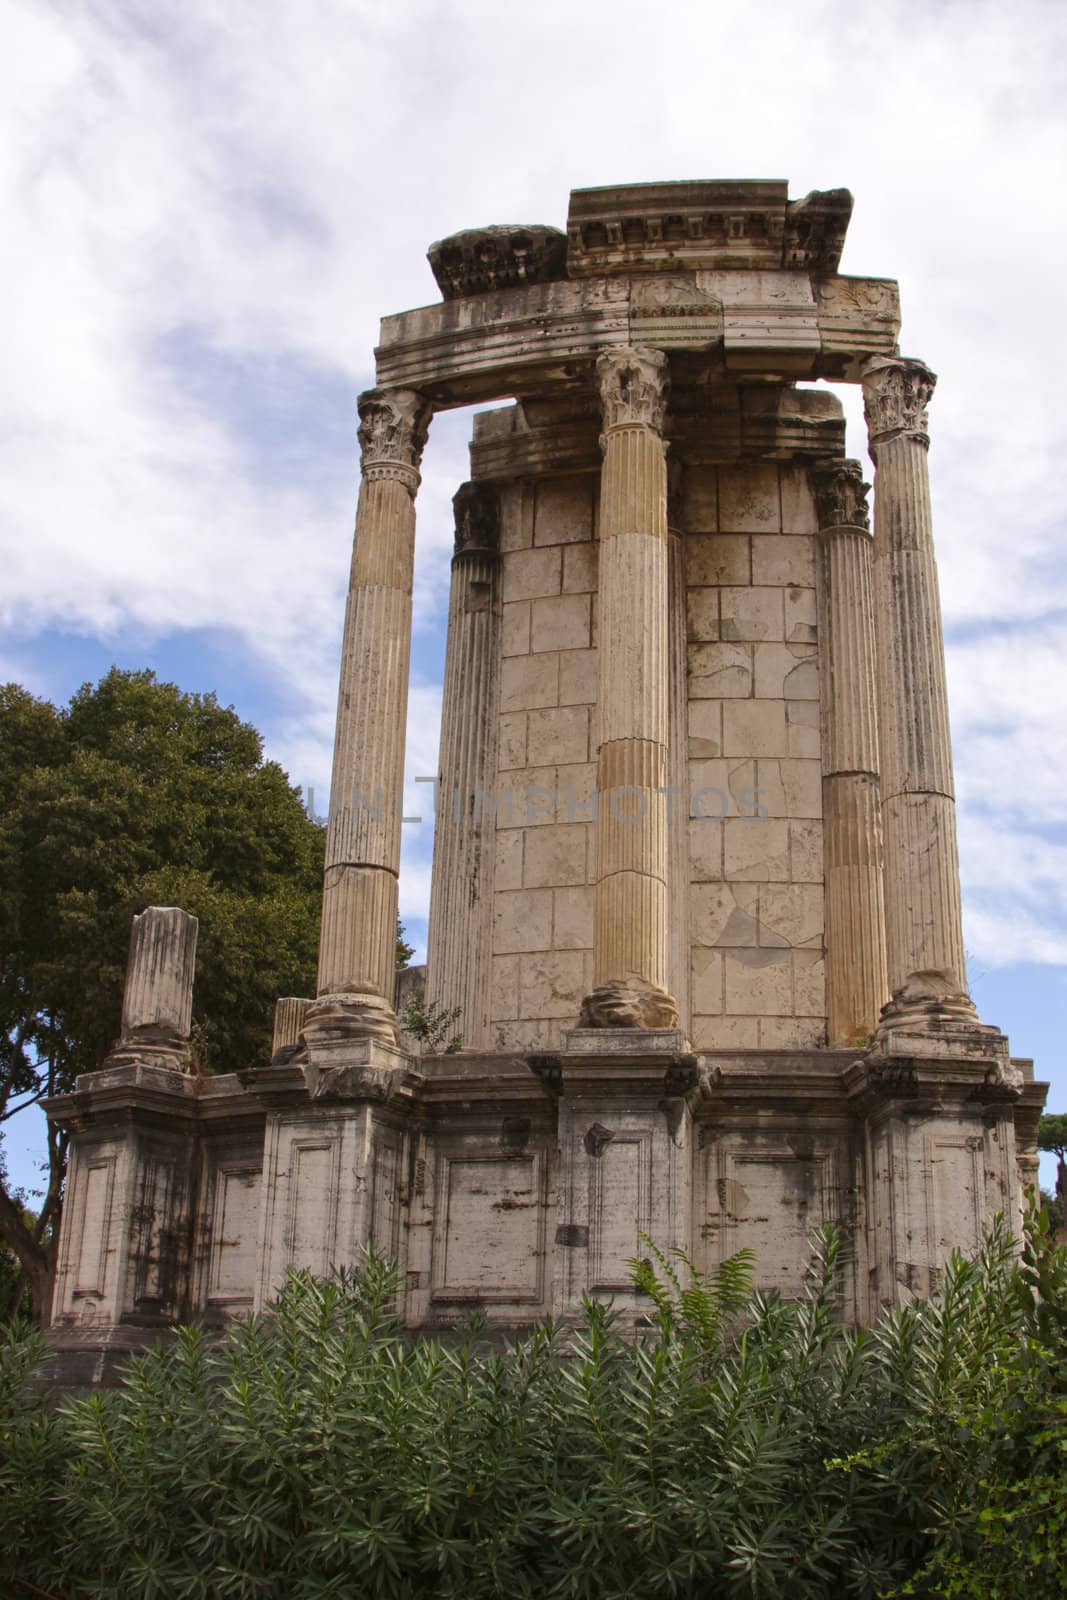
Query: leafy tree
404	951
1052	1136
1054	1207
13	1285
137	794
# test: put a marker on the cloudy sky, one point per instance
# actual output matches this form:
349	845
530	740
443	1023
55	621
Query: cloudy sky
209	204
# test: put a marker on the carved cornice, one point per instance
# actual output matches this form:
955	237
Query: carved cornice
896	392
633	387
333	1021
841	496
481	259
476	507
815	229
393	427
704	225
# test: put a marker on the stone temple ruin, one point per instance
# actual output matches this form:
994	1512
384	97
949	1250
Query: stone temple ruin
695	883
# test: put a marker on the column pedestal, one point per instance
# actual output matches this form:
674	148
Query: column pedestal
625	1141
333	1158
124	1253
940	1155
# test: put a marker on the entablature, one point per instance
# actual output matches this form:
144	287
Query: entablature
724	422
519	342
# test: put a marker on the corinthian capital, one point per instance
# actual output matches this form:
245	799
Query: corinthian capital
393	425
633	386
476	507
841	496
896	392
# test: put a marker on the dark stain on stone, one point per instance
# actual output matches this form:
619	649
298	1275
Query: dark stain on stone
515	1132
597	1139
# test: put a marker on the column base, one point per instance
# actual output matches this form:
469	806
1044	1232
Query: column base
931	1005
355	1014
623	1005
930	1018
173	1057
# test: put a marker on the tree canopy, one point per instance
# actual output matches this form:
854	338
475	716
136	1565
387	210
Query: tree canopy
138	794
1052	1136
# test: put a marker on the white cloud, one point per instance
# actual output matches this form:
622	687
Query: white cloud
1009	731
1002	936
1014	865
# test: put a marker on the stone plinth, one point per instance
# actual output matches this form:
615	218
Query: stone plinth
513	1184
625	1139
334	1153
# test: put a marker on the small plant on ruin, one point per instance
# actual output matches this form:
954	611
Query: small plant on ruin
431	1024
704	1309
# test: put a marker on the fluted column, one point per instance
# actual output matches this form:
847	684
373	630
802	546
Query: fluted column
357	949
157	1002
630	920
459	950
289	1016
678	867
856	983
924	931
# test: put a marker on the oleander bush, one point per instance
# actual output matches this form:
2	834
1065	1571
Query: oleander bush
743	1446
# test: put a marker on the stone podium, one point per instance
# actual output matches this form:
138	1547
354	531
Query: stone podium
695	884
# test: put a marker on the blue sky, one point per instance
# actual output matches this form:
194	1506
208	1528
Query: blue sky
207	208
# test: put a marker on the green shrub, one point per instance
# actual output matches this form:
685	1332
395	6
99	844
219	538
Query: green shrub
740	1446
